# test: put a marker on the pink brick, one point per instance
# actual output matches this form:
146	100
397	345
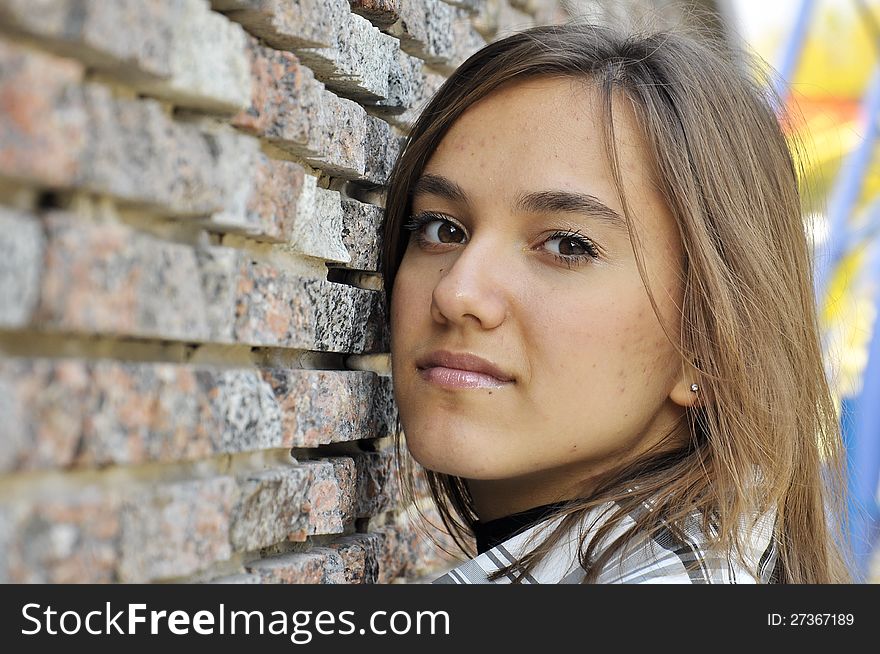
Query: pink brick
42	117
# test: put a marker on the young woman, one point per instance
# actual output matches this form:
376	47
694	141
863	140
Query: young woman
604	339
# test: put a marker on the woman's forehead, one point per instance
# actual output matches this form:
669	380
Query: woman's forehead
543	134
548	126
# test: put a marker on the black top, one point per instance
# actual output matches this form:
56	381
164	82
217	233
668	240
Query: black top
492	533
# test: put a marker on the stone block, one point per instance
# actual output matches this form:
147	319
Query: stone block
22	244
274	307
298	568
295	112
175	529
425	90
62	413
381	13
357	64
378	486
331	406
358	554
331	494
112	279
362	228
266	201
43	121
437	32
136	152
61	540
178	50
271	508
316	230
131	37
43	409
288	25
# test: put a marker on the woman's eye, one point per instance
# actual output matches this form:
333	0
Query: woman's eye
443	231
432	229
571	246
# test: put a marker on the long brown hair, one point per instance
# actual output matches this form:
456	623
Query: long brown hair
768	437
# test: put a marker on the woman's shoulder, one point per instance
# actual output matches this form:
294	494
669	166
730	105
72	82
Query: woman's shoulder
668	556
686	555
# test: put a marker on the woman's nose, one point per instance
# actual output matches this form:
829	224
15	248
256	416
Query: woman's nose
472	291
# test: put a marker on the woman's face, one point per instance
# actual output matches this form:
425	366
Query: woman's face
525	352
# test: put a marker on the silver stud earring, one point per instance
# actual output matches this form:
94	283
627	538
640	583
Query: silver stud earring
694	388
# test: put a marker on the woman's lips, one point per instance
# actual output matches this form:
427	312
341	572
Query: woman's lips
456	378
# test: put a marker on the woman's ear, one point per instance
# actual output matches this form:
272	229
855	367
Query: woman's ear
688	390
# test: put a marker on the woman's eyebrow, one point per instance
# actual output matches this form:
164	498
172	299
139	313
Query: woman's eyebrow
439	186
569	202
553	201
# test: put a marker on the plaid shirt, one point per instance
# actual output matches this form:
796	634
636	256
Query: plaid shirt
663	559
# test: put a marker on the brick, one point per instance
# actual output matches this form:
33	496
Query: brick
295	112
407	550
22	245
210	69
287	25
425	90
174	49
381	13
165	412
136	152
356	65
176	529
331	494
60	134
405	81
273	307
362	227
76	413
437	32
270	508
113	279
334	566
266	202
61	540
43	122
378	488
358	554
43	408
300	568
316	230
331	406
391	555
218	267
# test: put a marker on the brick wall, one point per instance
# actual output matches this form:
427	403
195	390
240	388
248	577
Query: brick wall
190	212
